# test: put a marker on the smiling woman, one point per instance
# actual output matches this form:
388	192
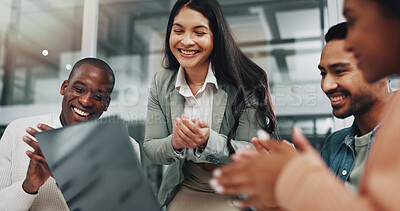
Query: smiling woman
373	46
191	42
200	107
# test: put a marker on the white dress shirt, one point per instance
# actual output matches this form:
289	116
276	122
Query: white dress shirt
56	121
196	106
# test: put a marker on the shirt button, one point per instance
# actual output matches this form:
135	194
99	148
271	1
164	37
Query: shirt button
344	172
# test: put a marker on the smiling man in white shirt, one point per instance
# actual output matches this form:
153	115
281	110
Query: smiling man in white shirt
26	182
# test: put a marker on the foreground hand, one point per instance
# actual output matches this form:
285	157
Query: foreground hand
38	170
256	175
246	152
260	144
190	133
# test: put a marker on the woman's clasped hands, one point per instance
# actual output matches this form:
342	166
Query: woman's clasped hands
190	133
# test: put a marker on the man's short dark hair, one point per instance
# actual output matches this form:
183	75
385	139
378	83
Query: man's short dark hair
95	62
337	32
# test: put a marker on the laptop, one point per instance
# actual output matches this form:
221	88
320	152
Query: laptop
96	167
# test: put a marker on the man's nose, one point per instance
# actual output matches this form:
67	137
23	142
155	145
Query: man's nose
328	84
86	100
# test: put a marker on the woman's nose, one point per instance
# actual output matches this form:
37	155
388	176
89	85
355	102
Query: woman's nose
187	39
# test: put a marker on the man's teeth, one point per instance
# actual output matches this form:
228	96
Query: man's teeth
188	52
334	99
80	112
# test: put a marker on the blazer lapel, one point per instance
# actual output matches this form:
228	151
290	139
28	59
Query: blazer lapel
219	106
176	102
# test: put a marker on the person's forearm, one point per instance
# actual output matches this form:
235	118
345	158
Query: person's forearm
306	184
29	188
216	150
15	198
159	151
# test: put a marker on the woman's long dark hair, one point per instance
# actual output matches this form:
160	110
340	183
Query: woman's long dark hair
390	8
229	65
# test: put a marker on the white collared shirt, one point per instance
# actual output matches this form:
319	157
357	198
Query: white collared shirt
198	106
56	121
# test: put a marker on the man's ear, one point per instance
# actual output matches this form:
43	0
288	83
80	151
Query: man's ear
63	87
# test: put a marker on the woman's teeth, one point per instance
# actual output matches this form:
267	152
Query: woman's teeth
188	52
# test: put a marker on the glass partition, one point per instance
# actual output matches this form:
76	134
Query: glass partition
39	42
284	37
41	39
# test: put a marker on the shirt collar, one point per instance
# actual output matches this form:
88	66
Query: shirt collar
56	121
181	80
349	139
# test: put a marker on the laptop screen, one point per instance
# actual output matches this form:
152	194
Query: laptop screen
96	167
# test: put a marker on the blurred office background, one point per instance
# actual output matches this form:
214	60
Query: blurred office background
40	40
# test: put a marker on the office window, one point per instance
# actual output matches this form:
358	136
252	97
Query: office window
39	41
284	37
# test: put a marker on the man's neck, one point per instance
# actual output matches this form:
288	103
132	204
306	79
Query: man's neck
367	121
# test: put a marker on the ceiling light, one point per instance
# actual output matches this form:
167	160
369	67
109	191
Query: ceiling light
45	52
68	66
